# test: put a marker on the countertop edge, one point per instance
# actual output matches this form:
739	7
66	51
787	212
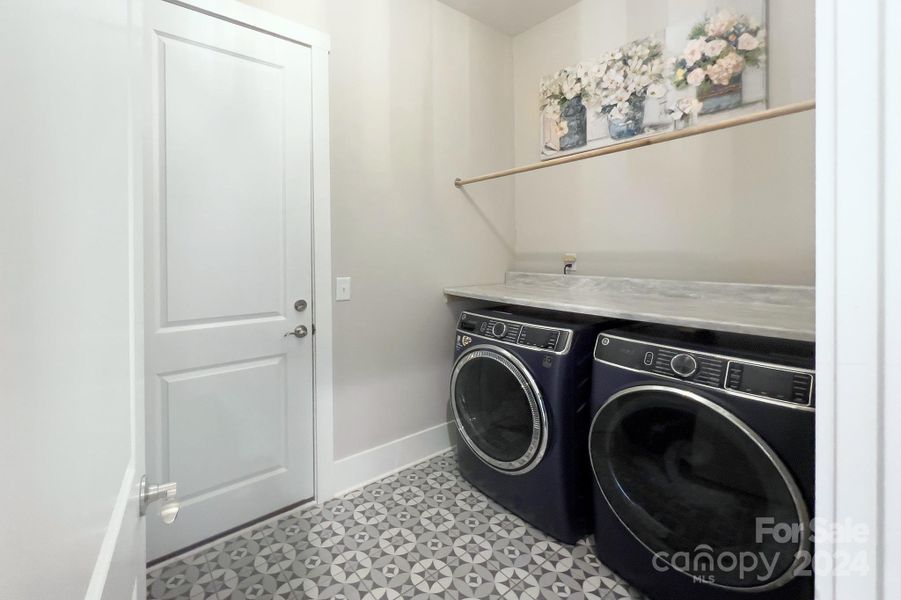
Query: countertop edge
509	297
513	276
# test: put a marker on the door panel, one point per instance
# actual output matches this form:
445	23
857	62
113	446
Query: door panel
224	204
245	437
71	387
230	414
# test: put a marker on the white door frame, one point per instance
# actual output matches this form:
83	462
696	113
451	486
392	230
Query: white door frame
247	16
859	293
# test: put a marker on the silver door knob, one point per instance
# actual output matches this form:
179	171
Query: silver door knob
300	331
151	493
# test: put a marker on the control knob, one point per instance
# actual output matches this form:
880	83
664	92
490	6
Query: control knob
498	330
684	365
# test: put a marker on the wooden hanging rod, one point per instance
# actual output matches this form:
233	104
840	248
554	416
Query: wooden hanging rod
788	109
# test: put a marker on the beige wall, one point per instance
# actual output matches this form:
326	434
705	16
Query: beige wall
736	205
419	95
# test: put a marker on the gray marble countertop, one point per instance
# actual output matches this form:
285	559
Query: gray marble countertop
780	311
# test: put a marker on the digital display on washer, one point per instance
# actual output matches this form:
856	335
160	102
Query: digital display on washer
540	338
625	353
771	383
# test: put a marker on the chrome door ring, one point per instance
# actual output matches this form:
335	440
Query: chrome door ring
538	444
797	498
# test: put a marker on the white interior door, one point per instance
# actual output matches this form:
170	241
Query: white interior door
71	387
228	238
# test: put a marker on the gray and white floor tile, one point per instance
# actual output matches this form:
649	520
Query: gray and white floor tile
421	534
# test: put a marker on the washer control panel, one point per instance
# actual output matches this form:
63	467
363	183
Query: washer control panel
737	376
684	364
770	382
512	332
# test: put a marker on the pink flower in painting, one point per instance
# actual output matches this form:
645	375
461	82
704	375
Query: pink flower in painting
714	48
694	51
725	69
696	77
748	42
721	24
719	74
733	62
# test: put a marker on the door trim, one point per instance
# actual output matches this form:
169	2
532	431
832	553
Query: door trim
858	287
126	499
260	20
321	232
322	281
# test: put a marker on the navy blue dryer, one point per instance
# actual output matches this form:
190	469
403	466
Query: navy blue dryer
702	451
519	392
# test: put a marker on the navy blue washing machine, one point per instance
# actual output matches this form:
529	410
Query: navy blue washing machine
702	452
519	392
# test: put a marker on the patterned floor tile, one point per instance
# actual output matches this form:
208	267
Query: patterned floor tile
383	594
620	590
175	581
243	557
260	586
552	556
348	576
596	575
420	534
512	552
391	572
554	585
432	578
511	581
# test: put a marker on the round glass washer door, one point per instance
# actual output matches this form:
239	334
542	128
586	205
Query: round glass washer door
499	409
699	488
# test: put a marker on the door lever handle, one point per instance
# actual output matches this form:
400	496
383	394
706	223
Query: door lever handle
300	331
169	512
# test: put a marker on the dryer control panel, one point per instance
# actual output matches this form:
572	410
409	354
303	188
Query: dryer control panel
737	376
525	335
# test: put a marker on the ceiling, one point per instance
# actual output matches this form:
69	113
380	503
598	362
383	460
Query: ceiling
511	16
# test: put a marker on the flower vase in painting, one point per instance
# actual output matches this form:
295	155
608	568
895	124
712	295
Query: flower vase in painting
627	122
574	115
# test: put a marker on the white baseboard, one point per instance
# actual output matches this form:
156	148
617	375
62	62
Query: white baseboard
357	470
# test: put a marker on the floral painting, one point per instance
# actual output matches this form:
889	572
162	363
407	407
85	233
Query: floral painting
718	52
696	71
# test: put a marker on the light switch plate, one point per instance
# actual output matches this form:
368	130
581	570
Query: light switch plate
342	289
